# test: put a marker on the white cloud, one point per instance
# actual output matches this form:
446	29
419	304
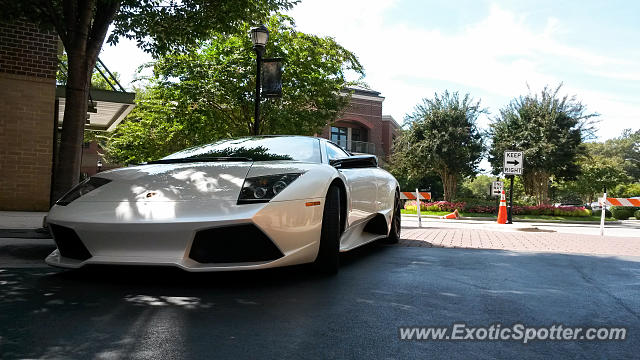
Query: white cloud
494	58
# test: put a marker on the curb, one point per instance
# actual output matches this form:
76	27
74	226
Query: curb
482	218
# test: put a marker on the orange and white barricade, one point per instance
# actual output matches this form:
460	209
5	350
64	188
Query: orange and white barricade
603	201
621	202
411	195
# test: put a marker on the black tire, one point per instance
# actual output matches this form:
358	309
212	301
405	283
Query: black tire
396	219
328	259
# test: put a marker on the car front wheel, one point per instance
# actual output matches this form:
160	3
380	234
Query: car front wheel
394	234
328	259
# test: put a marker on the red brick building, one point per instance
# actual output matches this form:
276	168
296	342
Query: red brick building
31	111
362	128
28	66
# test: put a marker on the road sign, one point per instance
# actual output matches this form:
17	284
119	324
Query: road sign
496	188
512	163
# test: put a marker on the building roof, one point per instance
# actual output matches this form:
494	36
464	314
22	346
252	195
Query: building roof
111	106
392	120
360	92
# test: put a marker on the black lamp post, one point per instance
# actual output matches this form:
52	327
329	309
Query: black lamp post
259	37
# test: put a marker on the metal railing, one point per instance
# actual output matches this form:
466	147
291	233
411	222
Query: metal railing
362	147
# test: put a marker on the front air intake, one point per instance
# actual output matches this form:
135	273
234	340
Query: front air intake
68	242
233	244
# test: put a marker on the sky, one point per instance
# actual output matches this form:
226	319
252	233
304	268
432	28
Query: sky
493	50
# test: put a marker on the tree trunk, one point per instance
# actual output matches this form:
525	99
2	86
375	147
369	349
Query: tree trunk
536	183
67	172
82	30
449	182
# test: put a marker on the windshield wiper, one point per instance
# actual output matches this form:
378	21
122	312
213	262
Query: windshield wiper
202	159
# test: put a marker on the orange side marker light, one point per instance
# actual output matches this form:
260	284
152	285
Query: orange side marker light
312	203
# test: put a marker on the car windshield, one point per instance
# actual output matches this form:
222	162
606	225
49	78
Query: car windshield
256	148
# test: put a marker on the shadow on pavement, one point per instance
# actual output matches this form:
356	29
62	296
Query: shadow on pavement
40	233
144	312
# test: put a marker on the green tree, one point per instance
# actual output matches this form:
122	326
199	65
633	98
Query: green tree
625	190
549	130
427	181
159	27
442	137
597	172
625	149
207	94
477	187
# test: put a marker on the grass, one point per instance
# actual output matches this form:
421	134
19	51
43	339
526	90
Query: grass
441	213
528	217
571	218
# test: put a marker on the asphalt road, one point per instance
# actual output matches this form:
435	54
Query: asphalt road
151	313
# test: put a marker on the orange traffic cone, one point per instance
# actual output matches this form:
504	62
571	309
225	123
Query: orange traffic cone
502	211
453	215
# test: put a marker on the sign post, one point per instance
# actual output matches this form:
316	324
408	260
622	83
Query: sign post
603	206
512	166
496	190
418	208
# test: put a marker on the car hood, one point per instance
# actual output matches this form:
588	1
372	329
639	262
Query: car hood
173	182
186	181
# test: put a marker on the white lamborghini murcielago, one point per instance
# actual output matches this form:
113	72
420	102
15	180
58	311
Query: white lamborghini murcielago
238	204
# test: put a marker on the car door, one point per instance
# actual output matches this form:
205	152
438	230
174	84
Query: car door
362	187
386	192
386	189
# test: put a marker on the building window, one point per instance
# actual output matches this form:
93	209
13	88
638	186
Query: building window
358	134
339	136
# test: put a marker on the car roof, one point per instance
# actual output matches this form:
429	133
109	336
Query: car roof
267	136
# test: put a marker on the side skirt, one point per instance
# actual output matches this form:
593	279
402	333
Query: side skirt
364	232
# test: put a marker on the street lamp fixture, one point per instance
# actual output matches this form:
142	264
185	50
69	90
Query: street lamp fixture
259	37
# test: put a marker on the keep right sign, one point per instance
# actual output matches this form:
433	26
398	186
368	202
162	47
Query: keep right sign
512	163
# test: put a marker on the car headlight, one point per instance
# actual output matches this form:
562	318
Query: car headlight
263	188
84	187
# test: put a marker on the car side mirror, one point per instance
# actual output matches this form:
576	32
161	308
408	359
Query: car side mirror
354	162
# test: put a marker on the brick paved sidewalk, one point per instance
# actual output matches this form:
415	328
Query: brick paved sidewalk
520	241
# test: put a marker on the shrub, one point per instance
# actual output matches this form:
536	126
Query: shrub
579	211
637	214
435	206
484	207
622	212
598	213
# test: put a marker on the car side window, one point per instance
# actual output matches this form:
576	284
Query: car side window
334	152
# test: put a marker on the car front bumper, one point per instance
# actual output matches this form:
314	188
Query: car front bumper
164	233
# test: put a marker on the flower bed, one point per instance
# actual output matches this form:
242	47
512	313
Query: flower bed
578	211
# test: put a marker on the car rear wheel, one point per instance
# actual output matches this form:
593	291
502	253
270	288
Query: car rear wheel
328	259
394	234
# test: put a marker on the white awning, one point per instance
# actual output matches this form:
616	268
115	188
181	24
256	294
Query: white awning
111	106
